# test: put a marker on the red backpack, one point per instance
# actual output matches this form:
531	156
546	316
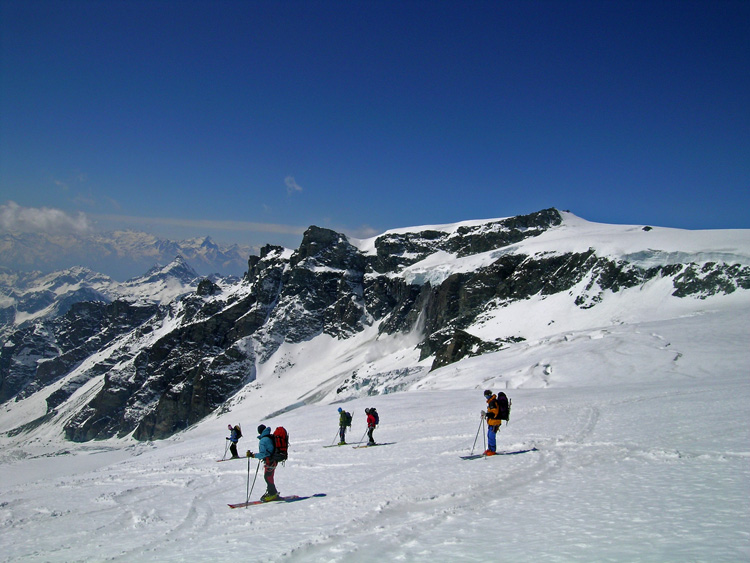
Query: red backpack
280	444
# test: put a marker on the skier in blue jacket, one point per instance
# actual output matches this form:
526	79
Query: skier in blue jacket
265	452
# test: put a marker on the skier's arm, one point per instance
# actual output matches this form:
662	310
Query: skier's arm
266	447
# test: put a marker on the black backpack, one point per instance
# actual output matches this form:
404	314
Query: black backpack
347	419
374	413
238	431
503	406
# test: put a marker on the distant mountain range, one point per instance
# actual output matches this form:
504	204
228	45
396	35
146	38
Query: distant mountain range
119	254
28	297
97	359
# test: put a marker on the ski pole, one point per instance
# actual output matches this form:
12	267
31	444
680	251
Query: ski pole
362	439
249	488
477	436
226	447
334	438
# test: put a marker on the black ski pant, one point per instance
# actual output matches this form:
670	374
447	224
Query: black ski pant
233	449
370	430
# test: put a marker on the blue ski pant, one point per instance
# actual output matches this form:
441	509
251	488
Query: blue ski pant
491	438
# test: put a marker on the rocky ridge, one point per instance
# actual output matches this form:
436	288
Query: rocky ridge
165	367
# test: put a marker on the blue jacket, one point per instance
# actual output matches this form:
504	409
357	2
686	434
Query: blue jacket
265	446
233	436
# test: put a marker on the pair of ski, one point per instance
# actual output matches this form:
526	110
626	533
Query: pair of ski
479	456
360	446
339	445
373	445
293	498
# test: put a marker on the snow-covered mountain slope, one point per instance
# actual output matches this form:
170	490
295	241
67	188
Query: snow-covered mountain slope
640	245
394	309
639	452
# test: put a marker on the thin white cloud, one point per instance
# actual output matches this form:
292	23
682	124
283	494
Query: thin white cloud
66	184
291	185
15	218
205	224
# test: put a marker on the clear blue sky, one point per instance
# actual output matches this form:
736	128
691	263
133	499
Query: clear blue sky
252	120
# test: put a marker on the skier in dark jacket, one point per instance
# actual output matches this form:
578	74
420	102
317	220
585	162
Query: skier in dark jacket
234	437
345	420
266	448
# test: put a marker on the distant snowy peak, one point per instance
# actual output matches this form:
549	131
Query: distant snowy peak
121	254
31	297
178	269
62	281
161	284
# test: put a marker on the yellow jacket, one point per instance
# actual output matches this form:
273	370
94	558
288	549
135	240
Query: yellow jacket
493	411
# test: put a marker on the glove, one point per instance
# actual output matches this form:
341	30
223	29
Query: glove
249	453
484	414
226	438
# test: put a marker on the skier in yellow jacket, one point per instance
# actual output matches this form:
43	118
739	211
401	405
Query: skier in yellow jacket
493	421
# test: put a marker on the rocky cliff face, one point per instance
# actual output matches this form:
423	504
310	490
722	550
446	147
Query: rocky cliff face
164	367
42	353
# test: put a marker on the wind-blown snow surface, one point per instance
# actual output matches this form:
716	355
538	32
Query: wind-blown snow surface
643	455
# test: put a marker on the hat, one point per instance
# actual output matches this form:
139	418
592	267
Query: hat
261	428
339	409
487	392
229	426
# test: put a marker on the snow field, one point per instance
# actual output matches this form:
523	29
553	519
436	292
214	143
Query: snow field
643	455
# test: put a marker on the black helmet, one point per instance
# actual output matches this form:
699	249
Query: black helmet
487	393
261	428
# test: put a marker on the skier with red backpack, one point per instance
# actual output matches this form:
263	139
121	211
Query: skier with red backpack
372	421
266	452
